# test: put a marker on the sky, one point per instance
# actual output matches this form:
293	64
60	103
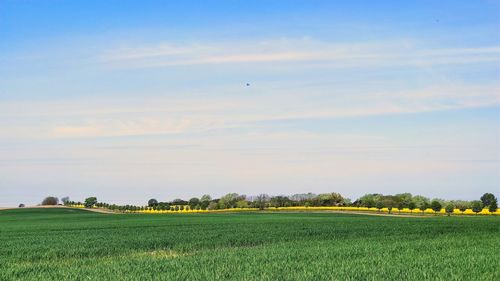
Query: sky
132	100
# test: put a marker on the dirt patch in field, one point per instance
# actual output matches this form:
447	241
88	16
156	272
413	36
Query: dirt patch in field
103	211
350	212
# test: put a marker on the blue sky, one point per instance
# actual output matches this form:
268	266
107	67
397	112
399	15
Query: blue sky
128	100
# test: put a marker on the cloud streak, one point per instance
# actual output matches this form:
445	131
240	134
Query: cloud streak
297	51
101	118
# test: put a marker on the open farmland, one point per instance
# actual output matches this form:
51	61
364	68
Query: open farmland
51	244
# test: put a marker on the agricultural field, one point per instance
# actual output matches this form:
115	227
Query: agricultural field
73	244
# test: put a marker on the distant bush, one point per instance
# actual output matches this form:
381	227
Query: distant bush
50	201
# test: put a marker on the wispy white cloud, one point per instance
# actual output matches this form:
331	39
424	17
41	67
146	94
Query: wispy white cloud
101	118
304	50
120	127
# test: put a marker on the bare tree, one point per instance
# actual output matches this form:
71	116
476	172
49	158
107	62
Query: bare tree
261	201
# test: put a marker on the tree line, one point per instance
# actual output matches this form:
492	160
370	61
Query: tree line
263	201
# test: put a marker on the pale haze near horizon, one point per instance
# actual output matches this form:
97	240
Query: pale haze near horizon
132	100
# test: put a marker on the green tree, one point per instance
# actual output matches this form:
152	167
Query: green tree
328	199
401	206
152	202
441	201
193	202
379	205
424	206
90	202
50	201
347	202
412	206
404	198
206	197
493	206
369	203
179	202
462	205
389	209
212	206
487	198
229	200
449	208
436	206
205	201
163	205
368	200
389	202
477	206
242	204
421	201
280	201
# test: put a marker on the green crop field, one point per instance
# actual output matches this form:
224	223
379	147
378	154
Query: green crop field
69	244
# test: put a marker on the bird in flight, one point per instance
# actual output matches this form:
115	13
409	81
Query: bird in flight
248	84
